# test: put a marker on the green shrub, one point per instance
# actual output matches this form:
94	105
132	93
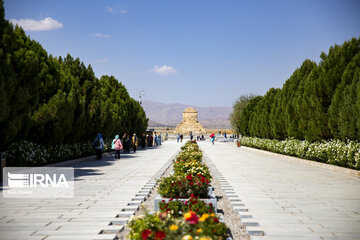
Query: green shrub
183	187
176	207
336	152
189	226
26	154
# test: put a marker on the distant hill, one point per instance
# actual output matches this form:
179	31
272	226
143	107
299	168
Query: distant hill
171	114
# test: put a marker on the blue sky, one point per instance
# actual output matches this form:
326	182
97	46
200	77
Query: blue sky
204	53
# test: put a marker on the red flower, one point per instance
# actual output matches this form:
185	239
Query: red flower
207	181
216	220
171	199
189	177
179	183
192	195
191	183
191	217
203	179
145	234
210	210
160	235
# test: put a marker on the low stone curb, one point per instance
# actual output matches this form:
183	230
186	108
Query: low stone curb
333	168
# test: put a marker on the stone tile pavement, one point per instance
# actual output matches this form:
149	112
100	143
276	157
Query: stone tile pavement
288	199
102	189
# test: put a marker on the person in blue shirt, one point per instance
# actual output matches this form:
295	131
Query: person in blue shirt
99	146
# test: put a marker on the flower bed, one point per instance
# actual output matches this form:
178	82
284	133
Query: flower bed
180	186
210	200
165	226
178	206
336	152
187	205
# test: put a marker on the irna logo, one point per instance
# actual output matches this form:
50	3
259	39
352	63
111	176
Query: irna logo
37	180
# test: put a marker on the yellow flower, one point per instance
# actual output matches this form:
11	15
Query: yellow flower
188	215
205	238
173	227
187	237
198	231
203	217
212	215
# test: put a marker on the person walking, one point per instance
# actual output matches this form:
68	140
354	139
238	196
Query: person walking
159	139
134	142
143	140
155	139
117	146
99	146
181	137
191	136
125	143
212	138
178	137
150	141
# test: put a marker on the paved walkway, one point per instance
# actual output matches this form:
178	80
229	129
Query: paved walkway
102	189
289	199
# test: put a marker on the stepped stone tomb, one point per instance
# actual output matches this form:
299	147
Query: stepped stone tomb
190	123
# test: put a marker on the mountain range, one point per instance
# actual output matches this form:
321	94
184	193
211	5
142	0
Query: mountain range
170	115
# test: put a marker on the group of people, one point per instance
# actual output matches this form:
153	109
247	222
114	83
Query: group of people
126	143
180	137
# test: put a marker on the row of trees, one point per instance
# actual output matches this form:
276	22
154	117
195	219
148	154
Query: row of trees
319	101
50	100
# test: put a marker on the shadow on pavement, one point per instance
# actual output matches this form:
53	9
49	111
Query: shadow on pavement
85	168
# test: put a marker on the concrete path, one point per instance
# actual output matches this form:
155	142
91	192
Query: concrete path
286	198
102	189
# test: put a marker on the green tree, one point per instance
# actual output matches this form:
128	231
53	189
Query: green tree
244	124
52	100
238	107
343	112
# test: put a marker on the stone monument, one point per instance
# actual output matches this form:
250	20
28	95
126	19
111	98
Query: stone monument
190	123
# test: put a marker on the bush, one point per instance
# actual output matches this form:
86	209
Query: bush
189	226
177	207
29	154
336	152
193	167
176	186
190	151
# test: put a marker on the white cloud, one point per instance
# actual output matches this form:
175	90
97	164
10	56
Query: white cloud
164	70
116	9
101	35
46	24
101	60
109	9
